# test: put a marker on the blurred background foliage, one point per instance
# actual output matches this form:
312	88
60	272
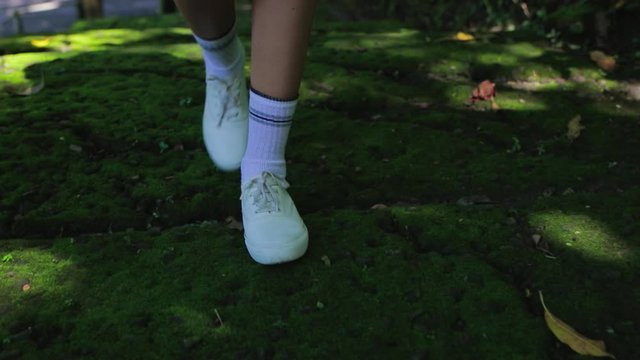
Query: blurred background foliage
608	24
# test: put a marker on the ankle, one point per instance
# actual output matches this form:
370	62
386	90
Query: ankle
223	57
251	168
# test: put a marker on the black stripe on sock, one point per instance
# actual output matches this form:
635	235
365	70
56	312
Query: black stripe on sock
283	121
253	90
270	122
269	116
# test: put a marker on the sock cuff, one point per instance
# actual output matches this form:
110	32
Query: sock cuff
271	97
254	167
219	43
270	109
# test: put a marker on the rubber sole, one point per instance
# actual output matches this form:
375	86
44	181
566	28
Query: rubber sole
274	255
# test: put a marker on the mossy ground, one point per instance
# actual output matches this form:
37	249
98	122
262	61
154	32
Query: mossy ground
115	216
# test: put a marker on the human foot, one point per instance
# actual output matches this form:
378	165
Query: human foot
273	229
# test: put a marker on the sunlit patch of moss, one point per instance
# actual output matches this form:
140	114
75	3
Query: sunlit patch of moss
591	238
92	40
459	94
524	50
361	41
533	71
28	271
584	73
450	66
511	100
497	58
14	65
181	51
126	22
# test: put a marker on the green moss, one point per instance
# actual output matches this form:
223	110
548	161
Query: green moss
107	165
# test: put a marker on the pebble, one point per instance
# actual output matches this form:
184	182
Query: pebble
325	259
75	148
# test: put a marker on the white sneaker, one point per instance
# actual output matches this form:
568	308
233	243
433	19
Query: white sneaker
273	230
225	123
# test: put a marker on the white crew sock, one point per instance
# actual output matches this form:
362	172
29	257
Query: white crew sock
223	57
269	124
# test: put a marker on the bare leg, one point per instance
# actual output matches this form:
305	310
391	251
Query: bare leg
225	117
209	19
280	36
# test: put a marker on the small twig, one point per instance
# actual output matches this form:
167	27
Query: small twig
218	316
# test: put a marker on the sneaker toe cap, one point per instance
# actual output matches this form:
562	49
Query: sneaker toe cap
276	233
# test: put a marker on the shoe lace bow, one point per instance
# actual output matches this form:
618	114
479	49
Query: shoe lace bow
261	190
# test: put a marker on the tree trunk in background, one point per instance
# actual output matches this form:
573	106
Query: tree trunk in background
19	25
90	9
168	6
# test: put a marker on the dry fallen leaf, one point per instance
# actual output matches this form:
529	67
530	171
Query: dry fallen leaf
322	87
604	61
40	43
486	90
419	104
25	90
234	224
536	239
576	341
461	36
574	128
379	207
542	245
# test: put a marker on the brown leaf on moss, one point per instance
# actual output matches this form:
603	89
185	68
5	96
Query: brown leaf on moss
604	61
234	224
486	90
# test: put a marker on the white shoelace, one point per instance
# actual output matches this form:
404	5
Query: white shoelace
260	189
229	93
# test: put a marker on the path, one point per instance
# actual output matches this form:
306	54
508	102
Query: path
42	16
